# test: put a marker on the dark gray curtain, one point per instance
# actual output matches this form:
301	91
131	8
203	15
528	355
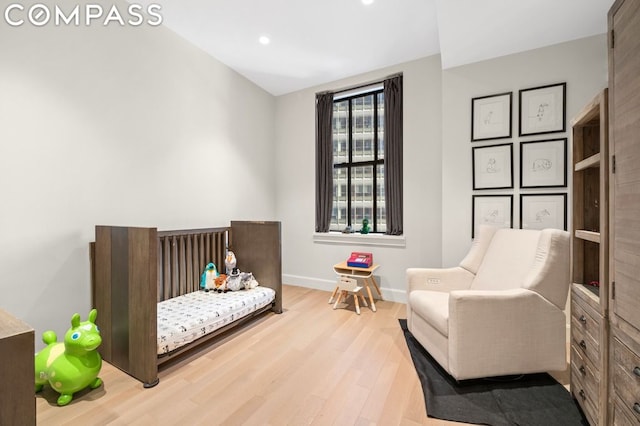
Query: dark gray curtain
393	153
324	161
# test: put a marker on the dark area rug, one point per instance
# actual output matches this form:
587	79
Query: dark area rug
532	399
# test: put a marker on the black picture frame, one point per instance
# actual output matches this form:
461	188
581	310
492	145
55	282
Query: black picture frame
543	163
541	211
492	166
543	109
491	117
494	209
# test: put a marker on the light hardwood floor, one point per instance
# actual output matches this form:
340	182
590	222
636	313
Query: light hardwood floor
311	365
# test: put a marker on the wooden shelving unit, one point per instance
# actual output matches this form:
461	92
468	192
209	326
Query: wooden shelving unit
589	292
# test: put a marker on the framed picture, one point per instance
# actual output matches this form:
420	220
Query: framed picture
492	166
543	164
543	109
540	211
495	210
491	117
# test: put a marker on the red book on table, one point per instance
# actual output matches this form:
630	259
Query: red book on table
360	260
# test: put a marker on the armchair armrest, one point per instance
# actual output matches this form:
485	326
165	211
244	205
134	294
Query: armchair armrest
438	279
517	321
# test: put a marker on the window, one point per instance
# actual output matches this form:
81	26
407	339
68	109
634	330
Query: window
358	162
359	159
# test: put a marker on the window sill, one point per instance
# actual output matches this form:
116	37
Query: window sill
379	240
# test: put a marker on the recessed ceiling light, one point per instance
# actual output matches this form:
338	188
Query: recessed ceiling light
264	40
367	2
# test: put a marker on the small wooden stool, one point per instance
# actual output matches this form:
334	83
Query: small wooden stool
345	287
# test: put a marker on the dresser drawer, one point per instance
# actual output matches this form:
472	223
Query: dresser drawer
626	379
581	394
586	319
585	344
584	372
620	416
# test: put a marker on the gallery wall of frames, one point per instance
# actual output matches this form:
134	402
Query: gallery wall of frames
540	149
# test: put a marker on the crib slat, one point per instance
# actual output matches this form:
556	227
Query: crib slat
174	267
196	256
207	247
159	291
182	266
220	251
188	263
166	254
201	263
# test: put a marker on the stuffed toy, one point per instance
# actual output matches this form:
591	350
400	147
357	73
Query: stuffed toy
72	365
234	282
230	262
221	283
207	279
248	281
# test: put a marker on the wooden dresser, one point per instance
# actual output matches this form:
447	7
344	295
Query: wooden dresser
17	348
624	260
590	248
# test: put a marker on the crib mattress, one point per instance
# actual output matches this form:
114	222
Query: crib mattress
186	318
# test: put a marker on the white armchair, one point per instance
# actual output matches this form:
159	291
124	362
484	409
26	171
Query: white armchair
501	311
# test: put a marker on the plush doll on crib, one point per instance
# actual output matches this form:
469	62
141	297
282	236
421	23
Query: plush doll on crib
221	284
230	262
208	277
241	280
234	283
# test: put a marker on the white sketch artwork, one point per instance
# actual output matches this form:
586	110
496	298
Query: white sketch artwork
542	109
542	163
491	210
492	117
492	217
492	167
542	213
493	213
542	113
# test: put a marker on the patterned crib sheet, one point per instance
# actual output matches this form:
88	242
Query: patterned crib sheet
183	319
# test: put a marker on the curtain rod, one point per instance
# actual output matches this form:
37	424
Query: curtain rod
360	86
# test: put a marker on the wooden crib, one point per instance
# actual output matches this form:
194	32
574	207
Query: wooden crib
135	268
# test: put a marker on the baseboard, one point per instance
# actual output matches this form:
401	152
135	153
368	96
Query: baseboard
392	295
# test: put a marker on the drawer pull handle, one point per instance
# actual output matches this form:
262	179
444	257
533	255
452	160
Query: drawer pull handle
636	371
583	396
636	408
583	344
582	370
583	319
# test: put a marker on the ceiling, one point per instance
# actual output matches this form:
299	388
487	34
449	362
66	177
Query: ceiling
315	42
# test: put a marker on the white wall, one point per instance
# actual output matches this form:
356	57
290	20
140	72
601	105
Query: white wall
309	264
116	126
582	64
437	156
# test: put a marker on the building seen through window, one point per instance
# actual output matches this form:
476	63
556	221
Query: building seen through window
358	162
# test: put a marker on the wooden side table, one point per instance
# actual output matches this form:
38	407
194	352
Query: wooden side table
365	274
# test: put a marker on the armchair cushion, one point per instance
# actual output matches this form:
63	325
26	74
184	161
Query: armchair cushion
507	260
433	306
